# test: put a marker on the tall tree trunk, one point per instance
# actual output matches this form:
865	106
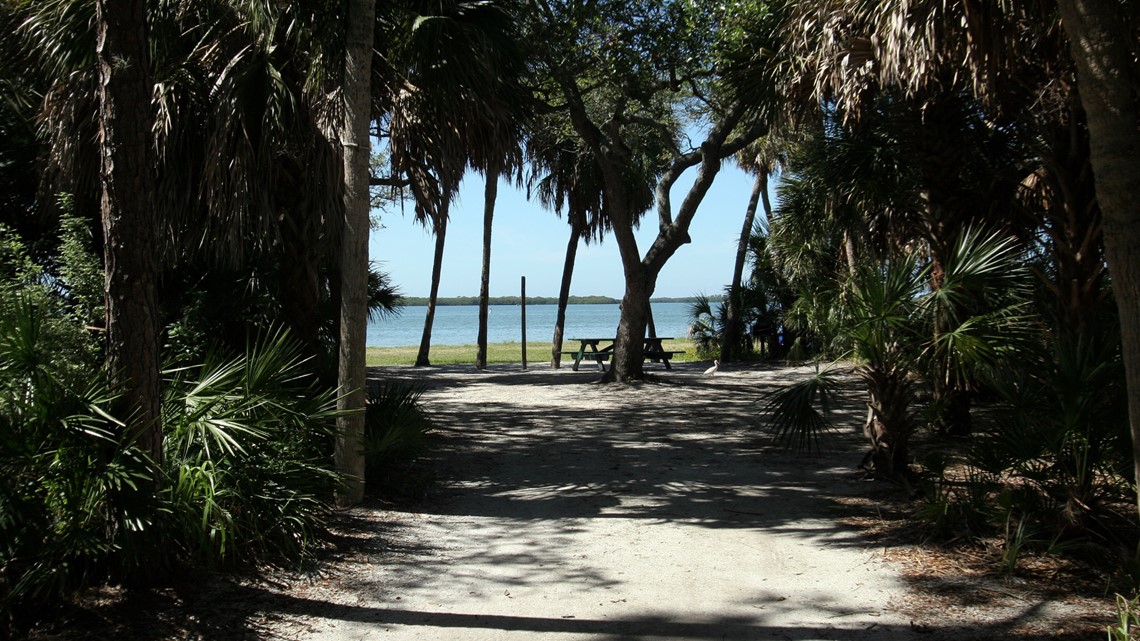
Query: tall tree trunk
849	254
423	356
564	295
130	225
732	329
629	346
1104	52
354	139
490	193
300	280
1072	219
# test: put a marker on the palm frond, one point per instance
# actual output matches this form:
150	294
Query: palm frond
798	415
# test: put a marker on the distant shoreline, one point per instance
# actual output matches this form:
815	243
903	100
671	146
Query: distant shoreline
419	301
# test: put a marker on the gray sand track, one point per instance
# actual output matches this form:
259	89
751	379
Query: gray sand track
572	511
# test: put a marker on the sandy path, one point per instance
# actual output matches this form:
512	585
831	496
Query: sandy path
575	511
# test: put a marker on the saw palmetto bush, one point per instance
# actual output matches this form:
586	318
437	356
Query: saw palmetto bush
247	443
396	431
706	326
889	316
246	475
1062	433
71	509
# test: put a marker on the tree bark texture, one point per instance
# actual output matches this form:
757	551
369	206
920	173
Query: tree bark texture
889	423
732	329
490	193
300	283
349	450
1104	50
564	295
629	346
1072	219
423	357
130	222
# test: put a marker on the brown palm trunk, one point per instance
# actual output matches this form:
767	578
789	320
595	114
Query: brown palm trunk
129	219
351	374
1104	52
564	295
889	423
300	284
423	356
732	329
490	193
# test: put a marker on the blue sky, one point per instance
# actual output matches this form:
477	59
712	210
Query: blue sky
530	241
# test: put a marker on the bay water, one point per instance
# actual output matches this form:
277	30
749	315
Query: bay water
459	324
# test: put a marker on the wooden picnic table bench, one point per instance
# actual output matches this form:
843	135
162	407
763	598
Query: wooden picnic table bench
592	349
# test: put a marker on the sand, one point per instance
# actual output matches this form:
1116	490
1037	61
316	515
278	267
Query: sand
569	510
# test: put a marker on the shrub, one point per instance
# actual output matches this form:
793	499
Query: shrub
246	450
395	432
70	506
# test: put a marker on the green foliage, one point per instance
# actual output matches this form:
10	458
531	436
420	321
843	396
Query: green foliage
1052	472
80	269
1127	626
798	415
395	432
957	509
1063	432
384	298
246	475
886	315
70	506
247	442
706	326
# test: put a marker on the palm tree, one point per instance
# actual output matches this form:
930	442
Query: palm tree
354	137
913	46
762	158
454	107
1103	45
490	194
565	176
511	151
237	115
886	323
130	229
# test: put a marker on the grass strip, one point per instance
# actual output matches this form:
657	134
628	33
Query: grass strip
497	353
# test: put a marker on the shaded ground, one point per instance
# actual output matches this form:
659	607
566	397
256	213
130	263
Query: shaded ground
578	511
573	511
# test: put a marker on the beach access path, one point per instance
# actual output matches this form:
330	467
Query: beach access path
571	511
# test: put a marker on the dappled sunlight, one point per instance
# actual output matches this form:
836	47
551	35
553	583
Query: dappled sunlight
596	512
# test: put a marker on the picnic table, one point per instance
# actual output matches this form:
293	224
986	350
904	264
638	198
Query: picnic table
600	350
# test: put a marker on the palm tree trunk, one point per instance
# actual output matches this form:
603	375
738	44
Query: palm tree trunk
731	338
766	202
423	356
564	295
889	423
490	193
1104	52
129	219
349	454
300	282
849	251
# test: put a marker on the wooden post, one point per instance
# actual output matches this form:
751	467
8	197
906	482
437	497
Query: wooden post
522	301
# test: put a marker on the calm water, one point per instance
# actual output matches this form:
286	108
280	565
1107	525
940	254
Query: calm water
459	325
